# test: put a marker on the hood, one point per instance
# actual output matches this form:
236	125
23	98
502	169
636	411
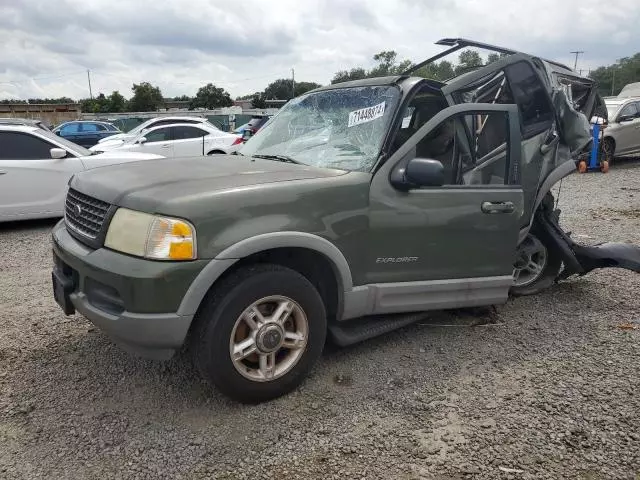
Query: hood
128	156
117	136
110	144
150	186
115	158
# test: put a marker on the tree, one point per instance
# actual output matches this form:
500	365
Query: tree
613	78
117	103
258	101
467	60
182	98
304	87
146	98
281	89
388	64
211	97
357	73
436	71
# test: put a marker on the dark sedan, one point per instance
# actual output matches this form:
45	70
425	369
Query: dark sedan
85	133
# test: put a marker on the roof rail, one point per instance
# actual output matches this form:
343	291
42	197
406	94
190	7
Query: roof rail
456	44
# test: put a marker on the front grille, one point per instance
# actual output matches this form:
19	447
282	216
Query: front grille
84	214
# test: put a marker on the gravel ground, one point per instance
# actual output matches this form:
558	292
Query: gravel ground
547	387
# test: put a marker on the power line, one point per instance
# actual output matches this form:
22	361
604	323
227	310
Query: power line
46	77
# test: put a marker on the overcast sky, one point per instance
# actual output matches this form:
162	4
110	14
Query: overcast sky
180	45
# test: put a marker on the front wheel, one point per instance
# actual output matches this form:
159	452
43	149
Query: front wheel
259	333
536	266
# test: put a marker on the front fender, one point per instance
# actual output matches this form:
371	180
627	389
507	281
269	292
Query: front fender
260	243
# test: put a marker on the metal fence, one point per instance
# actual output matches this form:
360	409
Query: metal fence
224	121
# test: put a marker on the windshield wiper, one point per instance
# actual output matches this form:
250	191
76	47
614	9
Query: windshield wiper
281	158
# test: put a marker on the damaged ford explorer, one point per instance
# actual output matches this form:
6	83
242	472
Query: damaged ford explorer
353	209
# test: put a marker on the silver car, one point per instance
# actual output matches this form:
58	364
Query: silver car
622	134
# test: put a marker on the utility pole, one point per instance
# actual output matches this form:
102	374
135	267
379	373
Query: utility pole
613	79
89	79
577	52
293	83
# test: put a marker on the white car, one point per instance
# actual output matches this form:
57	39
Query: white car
155	122
35	168
177	140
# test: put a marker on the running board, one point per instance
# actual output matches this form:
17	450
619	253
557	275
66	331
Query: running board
365	328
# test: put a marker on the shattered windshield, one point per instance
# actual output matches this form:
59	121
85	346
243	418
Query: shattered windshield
340	128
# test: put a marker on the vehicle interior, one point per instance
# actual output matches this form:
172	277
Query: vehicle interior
471	148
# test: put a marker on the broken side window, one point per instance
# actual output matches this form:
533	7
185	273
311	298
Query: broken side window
530	95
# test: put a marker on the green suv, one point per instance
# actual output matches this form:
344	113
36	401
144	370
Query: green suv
356	207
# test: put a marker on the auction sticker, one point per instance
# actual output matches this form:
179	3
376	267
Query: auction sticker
365	115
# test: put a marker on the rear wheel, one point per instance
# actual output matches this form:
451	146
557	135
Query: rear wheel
536	266
216	152
259	333
608	150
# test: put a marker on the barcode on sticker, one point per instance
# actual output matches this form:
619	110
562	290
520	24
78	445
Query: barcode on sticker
365	115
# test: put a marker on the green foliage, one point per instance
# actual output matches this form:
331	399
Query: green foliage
388	64
357	73
211	97
281	89
258	101
102	104
613	78
146	98
436	71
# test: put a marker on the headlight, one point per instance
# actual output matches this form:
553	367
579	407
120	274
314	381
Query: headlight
151	236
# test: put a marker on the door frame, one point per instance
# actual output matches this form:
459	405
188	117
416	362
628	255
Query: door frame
412	296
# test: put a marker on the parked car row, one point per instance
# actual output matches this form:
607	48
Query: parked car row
85	133
35	168
175	140
36	163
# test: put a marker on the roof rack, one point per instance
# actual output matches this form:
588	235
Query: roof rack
456	44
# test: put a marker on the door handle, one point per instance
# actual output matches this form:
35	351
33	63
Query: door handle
165	146
498	207
3	172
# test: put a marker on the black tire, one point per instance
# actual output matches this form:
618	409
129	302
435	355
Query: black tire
215	321
550	271
216	152
608	150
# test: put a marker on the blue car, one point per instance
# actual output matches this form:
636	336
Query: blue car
85	133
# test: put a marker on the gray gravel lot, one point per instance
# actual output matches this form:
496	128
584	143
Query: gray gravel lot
547	387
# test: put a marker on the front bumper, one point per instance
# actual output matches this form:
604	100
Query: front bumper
133	300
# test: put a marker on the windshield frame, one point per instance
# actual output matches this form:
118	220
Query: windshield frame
389	117
77	150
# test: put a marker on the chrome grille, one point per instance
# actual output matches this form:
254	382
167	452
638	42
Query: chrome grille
84	214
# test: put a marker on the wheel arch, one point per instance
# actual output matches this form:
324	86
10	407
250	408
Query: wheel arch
271	247
554	177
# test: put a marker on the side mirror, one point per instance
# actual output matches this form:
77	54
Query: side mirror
625	118
57	153
246	134
425	172
141	140
59	133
